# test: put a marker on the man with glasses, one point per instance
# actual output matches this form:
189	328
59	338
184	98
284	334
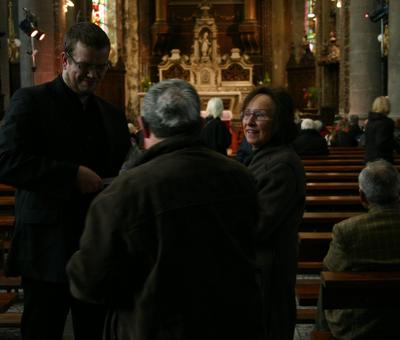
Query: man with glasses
58	143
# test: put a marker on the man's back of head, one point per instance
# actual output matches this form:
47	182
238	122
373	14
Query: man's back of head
379	181
172	107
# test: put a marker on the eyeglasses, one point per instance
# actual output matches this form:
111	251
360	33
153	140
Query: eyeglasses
259	115
85	67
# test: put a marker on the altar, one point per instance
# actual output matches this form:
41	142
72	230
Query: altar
228	76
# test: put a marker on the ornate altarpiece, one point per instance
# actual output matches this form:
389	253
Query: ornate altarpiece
229	77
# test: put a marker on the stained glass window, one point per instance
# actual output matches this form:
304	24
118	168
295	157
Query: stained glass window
104	15
310	23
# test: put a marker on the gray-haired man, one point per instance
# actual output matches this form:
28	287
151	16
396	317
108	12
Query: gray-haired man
168	245
369	241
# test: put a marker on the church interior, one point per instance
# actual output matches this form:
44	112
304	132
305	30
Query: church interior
334	57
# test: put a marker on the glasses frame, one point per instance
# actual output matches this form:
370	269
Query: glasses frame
85	67
265	116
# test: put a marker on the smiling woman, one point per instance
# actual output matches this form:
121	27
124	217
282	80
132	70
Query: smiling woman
268	123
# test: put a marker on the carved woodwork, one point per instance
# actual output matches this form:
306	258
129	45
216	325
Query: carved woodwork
300	76
209	72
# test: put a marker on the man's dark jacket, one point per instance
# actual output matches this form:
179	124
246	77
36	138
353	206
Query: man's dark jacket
310	142
167	247
45	136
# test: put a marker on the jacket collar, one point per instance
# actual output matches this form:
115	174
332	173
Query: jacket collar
168	145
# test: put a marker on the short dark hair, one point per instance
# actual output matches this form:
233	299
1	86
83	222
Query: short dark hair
88	34
284	129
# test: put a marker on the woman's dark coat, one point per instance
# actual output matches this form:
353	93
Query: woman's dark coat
216	135
379	138
280	180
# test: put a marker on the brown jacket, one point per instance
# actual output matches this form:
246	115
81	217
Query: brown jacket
168	246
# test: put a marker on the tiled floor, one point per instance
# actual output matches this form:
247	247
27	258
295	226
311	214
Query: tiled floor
302	332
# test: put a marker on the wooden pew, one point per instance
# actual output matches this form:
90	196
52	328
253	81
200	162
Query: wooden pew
324	220
331	176
6	299
333	203
10	320
339	161
342	290
337	168
326	188
6	190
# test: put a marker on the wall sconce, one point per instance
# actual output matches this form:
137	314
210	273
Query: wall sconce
30	26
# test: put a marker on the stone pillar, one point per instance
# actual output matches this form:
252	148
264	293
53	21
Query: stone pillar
250	10
160	28
249	28
394	58
364	58
161	10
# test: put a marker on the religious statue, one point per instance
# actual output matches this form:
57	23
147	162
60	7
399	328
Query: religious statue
205	45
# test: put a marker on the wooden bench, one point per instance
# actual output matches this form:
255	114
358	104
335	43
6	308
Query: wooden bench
332	176
342	290
307	291
6	222
320	188
6	190
7	201
313	245
10	320
324	220
6	299
339	161
333	200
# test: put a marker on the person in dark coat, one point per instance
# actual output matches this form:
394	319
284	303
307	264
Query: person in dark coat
347	132
168	246
57	144
309	141
379	133
215	133
244	151
268	124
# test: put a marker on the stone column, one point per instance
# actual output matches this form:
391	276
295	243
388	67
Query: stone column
249	28
394	58
160	28
250	10
364	58
161	10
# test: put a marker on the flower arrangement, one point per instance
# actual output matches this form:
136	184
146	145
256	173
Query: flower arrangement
146	84
311	93
266	80
311	96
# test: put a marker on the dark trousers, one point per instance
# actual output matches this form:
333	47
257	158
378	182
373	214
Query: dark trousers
46	306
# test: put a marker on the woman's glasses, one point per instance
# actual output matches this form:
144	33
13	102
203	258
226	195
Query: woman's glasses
259	115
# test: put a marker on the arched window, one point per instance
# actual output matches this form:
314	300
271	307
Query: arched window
310	23
104	14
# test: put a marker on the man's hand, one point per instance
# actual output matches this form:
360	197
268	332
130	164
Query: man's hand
87	180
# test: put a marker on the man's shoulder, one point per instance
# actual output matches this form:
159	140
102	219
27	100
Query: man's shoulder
40	89
371	218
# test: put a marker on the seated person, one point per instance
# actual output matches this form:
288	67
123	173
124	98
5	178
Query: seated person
368	242
347	132
215	134
309	141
